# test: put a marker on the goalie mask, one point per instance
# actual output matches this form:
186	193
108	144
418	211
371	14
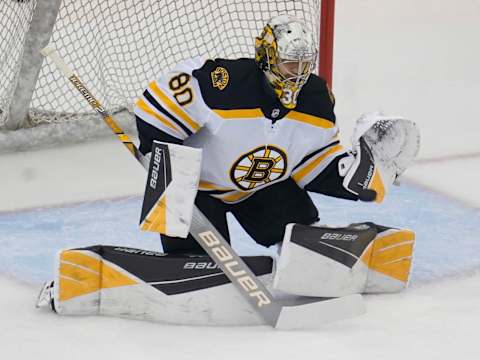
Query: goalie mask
286	53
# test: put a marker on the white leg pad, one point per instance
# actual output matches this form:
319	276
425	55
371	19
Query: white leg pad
332	262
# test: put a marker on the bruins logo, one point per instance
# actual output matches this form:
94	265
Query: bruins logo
220	78
258	167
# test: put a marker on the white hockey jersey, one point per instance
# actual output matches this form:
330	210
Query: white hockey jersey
249	139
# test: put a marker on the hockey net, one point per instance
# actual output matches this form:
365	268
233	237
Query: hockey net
118	46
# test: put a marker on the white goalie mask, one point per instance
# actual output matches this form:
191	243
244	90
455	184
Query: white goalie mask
286	52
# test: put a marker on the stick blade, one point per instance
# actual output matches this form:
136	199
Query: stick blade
316	314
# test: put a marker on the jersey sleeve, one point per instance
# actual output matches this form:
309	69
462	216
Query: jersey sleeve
148	133
318	171
317	160
173	104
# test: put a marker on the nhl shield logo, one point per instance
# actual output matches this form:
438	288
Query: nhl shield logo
258	167
220	78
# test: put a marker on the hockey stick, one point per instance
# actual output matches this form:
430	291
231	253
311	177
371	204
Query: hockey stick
309	314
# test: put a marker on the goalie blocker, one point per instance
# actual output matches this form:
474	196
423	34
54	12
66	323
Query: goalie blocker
172	184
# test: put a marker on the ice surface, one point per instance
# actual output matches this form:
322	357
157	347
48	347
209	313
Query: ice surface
434	322
445	243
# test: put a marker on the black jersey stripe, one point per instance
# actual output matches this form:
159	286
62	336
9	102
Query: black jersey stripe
318	164
309	156
145	107
160	108
215	192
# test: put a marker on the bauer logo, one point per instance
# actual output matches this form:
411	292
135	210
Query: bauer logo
369	177
200	265
157	158
233	269
338	236
367	156
365	184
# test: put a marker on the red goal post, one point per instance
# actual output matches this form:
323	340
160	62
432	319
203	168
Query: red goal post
327	24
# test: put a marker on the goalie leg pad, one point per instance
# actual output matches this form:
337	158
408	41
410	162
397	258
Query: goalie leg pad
147	285
330	262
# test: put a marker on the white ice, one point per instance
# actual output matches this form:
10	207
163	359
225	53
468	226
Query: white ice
438	321
417	59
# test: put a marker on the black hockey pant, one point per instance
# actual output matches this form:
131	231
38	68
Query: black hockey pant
263	215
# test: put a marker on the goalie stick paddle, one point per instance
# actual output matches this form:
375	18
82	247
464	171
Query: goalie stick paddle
309	314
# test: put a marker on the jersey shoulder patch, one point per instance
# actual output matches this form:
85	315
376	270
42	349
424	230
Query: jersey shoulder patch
227	84
220	77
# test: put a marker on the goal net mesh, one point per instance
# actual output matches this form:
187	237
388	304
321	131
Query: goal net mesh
118	46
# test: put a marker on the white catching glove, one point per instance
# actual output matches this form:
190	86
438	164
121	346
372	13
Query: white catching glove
383	147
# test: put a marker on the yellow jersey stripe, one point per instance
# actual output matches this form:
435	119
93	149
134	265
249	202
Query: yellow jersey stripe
310	119
299	175
234	196
205	186
174	107
239	113
144	106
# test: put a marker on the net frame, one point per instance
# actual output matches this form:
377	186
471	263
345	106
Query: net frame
15	19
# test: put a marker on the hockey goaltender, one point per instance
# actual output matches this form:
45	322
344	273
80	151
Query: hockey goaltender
250	137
